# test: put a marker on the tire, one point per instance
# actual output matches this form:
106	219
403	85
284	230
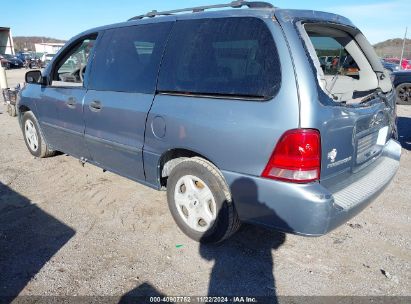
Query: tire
33	137
203	209
404	93
11	109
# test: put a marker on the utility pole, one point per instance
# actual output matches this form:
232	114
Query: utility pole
403	46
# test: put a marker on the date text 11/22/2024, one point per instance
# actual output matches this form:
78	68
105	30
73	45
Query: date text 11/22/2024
203	299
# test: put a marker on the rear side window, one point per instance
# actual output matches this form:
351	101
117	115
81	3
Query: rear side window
128	59
230	56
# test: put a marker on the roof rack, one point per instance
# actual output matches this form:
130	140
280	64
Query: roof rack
233	4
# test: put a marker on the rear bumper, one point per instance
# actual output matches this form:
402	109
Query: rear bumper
311	209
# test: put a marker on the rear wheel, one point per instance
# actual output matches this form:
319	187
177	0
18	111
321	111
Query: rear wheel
404	94
200	202
33	138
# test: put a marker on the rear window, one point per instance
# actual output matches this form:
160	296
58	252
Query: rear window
230	56
332	55
127	59
343	70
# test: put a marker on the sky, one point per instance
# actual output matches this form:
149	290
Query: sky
378	19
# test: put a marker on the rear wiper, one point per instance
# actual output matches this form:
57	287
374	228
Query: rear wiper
377	93
369	97
384	98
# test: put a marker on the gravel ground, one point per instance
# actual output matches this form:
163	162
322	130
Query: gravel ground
72	230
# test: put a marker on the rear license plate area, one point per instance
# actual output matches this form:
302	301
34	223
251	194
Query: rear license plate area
371	145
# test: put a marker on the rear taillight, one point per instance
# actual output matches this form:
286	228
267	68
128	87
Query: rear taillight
296	157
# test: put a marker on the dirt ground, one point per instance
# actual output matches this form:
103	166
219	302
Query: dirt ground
69	230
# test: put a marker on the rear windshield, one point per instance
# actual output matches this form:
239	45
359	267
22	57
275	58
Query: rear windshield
230	56
344	72
333	57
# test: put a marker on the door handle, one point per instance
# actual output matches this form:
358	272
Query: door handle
71	102
95	106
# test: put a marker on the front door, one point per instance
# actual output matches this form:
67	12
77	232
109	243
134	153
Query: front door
61	106
121	91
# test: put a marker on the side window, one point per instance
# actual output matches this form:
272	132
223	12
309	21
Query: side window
70	69
129	58
227	56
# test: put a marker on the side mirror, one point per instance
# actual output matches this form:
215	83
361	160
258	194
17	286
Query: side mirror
34	77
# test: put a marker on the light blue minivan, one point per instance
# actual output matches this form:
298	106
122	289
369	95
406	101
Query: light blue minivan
229	110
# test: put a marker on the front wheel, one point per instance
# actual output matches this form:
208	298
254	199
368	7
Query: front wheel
200	202
33	138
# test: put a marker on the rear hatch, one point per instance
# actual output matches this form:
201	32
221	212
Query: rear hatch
357	103
352	139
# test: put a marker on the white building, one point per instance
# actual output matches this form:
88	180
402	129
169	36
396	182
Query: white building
48	47
6	41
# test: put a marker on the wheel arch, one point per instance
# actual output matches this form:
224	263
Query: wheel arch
402	83
170	158
21	110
